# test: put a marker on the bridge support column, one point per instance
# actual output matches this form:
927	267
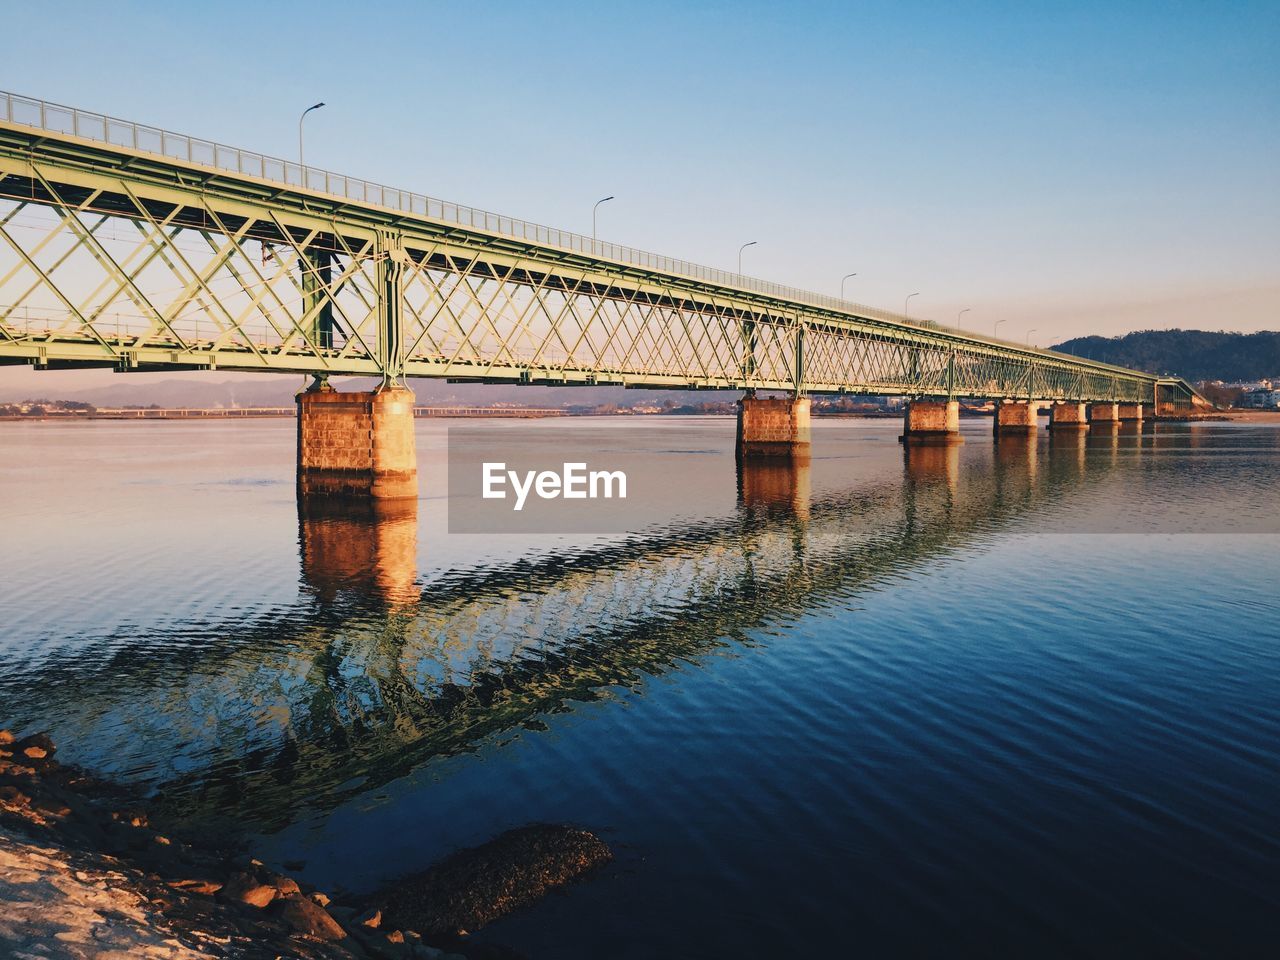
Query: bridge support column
773	427
931	422
1104	414
1068	416
1129	412
357	444
1015	417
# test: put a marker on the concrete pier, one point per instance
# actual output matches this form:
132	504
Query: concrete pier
1068	416
357	444
931	422
1129	412
1104	414
1015	417
773	427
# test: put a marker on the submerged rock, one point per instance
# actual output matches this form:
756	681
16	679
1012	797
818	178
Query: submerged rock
474	887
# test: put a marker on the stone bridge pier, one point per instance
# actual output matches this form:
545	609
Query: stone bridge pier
773	427
1104	414
1068	415
1016	417
931	422
357	445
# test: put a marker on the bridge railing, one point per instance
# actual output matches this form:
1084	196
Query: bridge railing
56	118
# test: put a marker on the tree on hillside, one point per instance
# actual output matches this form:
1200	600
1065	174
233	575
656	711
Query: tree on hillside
1193	354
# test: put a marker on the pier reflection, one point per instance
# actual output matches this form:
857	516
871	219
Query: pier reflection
365	547
1103	441
932	464
1017	464
1068	450
775	486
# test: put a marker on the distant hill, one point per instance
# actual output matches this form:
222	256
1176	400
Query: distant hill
1192	354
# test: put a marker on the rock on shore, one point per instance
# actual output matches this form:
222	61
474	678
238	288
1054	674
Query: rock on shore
83	873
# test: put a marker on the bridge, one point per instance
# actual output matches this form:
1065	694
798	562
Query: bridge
135	248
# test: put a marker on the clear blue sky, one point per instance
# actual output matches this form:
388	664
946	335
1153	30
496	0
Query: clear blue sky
1076	168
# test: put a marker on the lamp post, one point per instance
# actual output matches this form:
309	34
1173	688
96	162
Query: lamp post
1029	333
906	302
961	314
995	328
740	249
593	217
846	277
314	106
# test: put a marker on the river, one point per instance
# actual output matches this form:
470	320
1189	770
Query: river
1014	698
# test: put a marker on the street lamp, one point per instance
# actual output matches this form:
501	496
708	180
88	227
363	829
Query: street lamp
842	282
995	329
906	302
740	249
961	314
593	216
1029	333
314	106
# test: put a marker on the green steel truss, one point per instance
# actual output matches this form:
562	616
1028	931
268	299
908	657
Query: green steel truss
128	258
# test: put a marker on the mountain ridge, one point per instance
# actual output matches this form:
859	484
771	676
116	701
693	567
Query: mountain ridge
1194	355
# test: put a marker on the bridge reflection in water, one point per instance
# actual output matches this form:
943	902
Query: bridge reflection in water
369	676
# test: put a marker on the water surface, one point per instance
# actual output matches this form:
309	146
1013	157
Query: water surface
998	699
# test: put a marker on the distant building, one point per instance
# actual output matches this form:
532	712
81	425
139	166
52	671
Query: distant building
1262	398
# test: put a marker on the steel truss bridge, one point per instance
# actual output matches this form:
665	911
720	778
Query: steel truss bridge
126	246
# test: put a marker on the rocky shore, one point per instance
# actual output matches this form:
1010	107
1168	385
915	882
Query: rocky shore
84	873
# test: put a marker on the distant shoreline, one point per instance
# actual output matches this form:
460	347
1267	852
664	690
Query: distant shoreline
500	413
